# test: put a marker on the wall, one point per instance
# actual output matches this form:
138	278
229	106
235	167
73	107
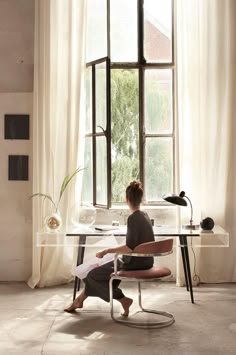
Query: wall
16	45
16	88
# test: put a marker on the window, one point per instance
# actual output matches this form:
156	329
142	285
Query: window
130	99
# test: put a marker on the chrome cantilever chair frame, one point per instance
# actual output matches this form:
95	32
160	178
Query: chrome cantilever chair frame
166	317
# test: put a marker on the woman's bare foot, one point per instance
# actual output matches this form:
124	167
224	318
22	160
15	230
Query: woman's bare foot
78	303
126	303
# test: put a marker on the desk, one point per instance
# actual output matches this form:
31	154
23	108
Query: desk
218	237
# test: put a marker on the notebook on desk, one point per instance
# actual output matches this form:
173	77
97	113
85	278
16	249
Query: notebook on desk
105	227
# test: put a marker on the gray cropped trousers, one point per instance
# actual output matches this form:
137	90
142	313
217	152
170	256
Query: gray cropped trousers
97	283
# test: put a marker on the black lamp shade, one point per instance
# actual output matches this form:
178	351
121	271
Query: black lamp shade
175	199
181	201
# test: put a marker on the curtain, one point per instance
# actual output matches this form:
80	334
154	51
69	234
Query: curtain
206	57
57	123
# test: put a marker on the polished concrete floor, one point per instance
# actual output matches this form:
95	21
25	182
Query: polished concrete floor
33	322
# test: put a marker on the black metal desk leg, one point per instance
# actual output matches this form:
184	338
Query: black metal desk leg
184	260
80	259
188	268
184	243
75	287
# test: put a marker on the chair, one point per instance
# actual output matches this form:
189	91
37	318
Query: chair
157	248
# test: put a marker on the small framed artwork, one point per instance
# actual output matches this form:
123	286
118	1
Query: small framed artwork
16	126
18	167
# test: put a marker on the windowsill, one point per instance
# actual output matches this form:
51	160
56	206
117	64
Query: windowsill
160	214
146	207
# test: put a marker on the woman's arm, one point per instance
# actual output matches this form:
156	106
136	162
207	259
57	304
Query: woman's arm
120	249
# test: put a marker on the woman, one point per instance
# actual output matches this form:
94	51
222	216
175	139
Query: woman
139	230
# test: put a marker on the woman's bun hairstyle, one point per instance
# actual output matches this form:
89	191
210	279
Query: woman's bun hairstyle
134	192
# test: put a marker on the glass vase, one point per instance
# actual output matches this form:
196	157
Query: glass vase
53	222
82	214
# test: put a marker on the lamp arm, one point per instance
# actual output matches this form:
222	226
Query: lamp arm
191	220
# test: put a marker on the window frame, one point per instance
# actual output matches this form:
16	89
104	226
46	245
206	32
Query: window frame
141	65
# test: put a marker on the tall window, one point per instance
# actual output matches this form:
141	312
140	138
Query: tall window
130	99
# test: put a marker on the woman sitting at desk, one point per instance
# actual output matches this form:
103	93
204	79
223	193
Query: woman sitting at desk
139	230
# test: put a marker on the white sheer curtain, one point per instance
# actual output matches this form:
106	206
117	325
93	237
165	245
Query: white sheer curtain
57	122
206	59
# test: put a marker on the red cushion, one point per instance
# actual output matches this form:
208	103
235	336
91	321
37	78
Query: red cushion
154	272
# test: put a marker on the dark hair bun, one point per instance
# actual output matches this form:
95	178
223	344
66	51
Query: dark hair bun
134	192
136	184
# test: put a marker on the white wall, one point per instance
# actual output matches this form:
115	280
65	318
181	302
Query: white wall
15	216
16	87
16	45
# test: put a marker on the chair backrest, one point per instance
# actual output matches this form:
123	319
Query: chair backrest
157	247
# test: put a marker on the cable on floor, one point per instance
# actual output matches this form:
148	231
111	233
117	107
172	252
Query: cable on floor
196	277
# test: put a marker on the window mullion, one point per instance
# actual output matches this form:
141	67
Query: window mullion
141	126
108	29
108	128
108	132
141	58
141	63
94	131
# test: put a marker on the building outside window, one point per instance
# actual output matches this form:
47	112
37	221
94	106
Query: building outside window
130	130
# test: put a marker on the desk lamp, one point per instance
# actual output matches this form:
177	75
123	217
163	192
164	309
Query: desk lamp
180	201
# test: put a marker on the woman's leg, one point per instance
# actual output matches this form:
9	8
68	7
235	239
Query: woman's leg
97	284
78	302
126	302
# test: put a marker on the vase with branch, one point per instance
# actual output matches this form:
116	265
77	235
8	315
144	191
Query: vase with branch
54	222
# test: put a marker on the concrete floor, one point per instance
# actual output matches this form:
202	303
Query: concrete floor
33	322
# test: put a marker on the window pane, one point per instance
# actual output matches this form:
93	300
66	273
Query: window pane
101	109
125	130
101	170
158	30
123	30
88	123
159	168
158	101
87	190
96	29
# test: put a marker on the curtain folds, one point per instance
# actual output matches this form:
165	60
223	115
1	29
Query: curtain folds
206	57
58	123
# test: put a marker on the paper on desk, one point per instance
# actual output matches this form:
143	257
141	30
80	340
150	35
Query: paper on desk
82	270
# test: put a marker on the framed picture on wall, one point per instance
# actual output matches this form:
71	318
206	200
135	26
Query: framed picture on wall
16	126
18	167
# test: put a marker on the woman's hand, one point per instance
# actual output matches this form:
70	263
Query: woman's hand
101	253
119	249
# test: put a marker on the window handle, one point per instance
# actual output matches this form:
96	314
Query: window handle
104	131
